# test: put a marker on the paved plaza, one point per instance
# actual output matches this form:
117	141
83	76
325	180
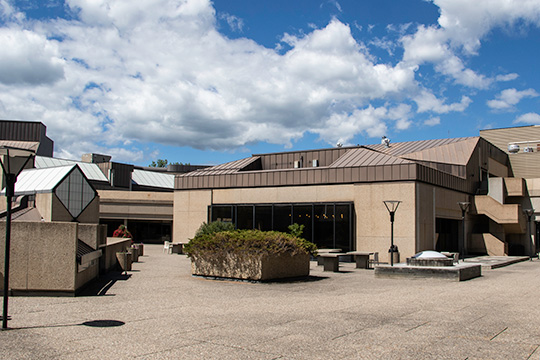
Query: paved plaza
159	311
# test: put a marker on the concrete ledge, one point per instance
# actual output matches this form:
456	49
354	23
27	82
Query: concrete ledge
255	268
459	272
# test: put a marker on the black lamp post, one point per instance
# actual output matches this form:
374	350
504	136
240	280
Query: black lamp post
464	205
391	206
14	161
529	213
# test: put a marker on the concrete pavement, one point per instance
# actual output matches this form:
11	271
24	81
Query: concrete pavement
161	312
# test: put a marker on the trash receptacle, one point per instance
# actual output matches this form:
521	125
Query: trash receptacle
393	252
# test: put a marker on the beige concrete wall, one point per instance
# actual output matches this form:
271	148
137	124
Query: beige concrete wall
373	225
190	211
90	215
286	194
426	196
59	211
44	205
515	186
136	205
93	235
497	169
414	227
109	250
43	256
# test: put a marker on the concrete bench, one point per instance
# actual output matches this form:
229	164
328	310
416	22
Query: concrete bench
362	258
325	251
331	261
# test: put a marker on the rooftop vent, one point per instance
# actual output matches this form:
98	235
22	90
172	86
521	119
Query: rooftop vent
513	148
385	141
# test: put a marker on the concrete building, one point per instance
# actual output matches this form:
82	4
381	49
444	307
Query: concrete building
338	195
522	145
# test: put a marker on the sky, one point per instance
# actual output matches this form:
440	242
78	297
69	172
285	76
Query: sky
206	82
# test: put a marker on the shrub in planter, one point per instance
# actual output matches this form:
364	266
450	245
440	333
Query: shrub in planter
249	254
214	227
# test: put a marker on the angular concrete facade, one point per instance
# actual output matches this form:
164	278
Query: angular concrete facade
428	177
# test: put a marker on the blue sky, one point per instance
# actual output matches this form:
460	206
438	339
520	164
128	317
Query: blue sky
205	82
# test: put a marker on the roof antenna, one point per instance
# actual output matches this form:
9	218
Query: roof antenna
385	141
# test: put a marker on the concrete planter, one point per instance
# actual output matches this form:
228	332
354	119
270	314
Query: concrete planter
135	251
258	268
124	260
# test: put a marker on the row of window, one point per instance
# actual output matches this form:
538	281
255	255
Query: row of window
328	225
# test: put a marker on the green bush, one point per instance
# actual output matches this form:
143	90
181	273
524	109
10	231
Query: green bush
249	242
214	227
296	230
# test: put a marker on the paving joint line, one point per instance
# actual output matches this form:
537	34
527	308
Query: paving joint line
499	333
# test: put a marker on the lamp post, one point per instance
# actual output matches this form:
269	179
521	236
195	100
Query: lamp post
391	206
13	162
464	206
529	213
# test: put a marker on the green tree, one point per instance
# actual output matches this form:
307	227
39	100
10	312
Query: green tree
161	163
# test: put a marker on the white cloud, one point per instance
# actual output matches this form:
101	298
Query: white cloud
462	26
529	118
507	77
159	71
426	101
510	97
126	73
234	22
31	58
433	121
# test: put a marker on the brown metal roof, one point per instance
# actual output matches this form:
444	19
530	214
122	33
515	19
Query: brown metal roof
442	162
28	145
366	157
409	147
227	168
457	153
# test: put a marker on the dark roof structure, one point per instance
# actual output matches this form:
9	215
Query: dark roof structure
443	162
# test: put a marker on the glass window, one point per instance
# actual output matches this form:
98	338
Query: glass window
323	216
263	217
282	217
244	217
343	227
75	193
302	215
222	213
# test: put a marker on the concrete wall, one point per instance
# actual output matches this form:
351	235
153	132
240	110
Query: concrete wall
108	258
136	205
43	257
373	227
52	209
93	235
414	227
190	211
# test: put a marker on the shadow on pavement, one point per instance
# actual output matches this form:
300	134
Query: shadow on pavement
99	287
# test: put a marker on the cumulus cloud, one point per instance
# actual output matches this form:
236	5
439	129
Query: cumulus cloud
529	118
461	27
426	101
31	59
127	73
433	121
162	72
506	99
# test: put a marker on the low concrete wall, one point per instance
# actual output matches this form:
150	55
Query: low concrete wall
109	250
93	235
43	256
459	272
259	268
488	244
